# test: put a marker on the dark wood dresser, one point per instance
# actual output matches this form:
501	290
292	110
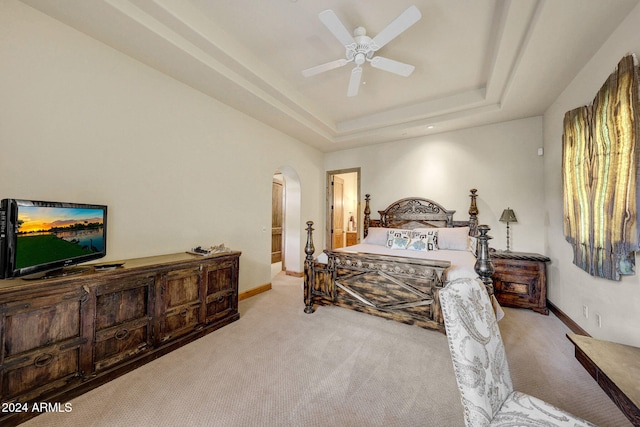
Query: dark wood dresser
64	336
520	280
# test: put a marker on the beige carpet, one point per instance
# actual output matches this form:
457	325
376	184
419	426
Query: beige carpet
277	366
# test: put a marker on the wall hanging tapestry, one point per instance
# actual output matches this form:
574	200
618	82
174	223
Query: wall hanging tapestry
600	176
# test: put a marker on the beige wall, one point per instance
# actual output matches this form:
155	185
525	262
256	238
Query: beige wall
570	288
500	160
81	122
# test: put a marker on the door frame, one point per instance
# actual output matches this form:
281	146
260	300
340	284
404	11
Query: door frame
329	202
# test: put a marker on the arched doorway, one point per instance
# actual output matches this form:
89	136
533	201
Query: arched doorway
286	229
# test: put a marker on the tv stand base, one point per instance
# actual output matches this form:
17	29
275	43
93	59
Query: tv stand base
66	335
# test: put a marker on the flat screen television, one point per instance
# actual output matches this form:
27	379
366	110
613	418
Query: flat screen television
49	237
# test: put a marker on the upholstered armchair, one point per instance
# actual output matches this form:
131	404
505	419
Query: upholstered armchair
481	368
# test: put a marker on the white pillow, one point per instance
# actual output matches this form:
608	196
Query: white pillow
454	238
376	236
424	240
398	239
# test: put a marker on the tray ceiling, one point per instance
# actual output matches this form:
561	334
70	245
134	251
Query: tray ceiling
477	62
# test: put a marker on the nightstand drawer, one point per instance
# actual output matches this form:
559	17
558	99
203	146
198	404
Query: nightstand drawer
510	286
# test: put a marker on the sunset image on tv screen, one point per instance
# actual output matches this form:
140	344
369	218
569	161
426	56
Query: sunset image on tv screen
47	234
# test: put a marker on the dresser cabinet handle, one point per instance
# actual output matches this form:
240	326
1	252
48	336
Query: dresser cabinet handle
43	360
121	334
184	312
220	299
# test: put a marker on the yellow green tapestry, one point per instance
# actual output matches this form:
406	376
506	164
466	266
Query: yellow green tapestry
600	176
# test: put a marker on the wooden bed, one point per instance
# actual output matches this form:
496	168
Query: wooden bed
399	288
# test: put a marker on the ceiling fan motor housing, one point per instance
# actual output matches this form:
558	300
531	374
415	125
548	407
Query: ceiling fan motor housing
363	48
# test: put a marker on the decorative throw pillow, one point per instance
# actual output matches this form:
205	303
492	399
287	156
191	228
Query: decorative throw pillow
425	240
453	238
398	239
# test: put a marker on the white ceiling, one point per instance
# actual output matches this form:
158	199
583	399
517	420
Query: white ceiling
477	61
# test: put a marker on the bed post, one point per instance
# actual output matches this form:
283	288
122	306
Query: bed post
484	266
308	270
367	215
473	214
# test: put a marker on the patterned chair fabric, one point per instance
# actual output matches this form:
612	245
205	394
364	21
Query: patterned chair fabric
481	368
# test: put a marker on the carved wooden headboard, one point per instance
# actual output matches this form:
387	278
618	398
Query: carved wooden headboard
414	212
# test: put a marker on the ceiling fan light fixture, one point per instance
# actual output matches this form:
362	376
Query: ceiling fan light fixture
360	48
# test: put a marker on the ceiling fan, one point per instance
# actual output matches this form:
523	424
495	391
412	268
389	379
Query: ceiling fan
360	48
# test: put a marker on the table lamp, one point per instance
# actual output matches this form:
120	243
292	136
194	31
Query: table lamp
508	216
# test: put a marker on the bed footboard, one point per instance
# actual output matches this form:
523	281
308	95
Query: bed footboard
396	288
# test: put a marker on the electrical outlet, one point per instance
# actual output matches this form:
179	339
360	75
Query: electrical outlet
585	311
599	320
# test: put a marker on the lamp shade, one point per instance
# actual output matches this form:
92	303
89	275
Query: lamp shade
508	215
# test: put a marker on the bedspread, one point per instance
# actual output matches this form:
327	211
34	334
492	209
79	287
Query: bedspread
462	262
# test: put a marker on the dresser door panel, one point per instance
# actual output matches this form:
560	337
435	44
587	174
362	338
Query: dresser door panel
42	340
181	287
220	299
123	320
47	320
127	301
180	321
182	301
33	375
113	345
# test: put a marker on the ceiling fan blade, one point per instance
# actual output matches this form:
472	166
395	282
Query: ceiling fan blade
392	66
354	81
397	26
324	67
331	21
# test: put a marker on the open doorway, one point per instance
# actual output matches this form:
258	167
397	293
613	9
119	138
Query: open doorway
277	224
286	229
343	208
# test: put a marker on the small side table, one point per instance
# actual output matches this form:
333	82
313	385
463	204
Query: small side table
520	280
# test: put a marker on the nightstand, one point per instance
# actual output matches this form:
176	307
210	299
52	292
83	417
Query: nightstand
520	280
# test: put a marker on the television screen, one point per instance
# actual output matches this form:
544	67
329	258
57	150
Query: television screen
42	236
